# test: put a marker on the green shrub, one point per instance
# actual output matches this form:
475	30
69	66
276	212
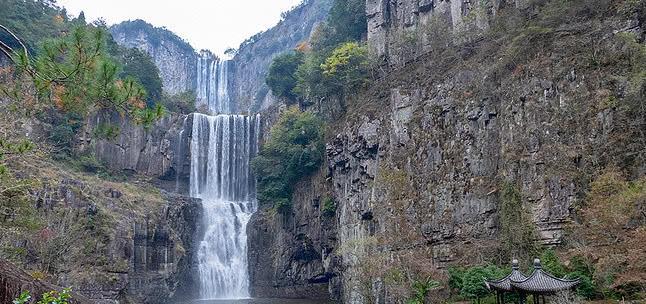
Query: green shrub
52	297
516	227
182	103
348	66
472	281
64	130
310	81
421	290
282	74
23	298
329	206
552	264
294	150
469	282
455	277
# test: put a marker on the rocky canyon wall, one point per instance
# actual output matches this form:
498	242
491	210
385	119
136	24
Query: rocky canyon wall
418	164
175	58
401	30
254	56
160	151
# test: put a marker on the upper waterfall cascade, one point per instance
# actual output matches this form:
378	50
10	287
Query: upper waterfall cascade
221	149
212	90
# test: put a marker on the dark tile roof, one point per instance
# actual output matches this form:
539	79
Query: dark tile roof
504	284
542	282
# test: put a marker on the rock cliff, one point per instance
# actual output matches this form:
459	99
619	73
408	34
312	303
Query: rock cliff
292	256
160	151
418	162
401	30
175	58
112	242
254	56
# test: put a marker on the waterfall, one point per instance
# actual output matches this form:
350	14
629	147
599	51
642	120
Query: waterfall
212	89
223	103
221	148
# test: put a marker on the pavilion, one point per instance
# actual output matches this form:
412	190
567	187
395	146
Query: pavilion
538	284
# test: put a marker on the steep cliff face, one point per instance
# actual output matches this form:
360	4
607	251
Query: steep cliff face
255	54
112	242
418	163
160	151
429	170
401	30
175	58
150	256
292	256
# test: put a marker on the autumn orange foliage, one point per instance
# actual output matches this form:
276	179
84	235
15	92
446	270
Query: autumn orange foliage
612	231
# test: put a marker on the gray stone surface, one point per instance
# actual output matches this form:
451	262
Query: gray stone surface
254	56
176	59
157	151
291	256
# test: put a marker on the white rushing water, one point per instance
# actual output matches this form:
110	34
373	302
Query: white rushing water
221	149
212	89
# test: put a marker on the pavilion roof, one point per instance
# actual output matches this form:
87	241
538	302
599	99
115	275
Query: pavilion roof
504	284
542	282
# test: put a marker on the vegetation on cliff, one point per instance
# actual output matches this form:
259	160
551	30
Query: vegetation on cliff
331	65
549	54
293	151
64	76
52	297
58	208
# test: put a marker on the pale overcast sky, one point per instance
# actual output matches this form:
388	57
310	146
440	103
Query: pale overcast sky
215	25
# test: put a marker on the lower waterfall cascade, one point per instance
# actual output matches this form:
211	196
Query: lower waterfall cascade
221	149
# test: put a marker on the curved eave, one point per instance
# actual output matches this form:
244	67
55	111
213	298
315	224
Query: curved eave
504	284
542	282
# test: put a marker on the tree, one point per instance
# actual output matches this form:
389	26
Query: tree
74	74
282	74
421	290
471	283
348	19
140	66
347	67
33	21
310	81
516	227
294	150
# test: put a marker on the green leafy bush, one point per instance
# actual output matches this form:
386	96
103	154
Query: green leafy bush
421	290
550	262
469	282
282	74
348	66
329	206
23	298
51	297
294	150
516	227
311	84
182	103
